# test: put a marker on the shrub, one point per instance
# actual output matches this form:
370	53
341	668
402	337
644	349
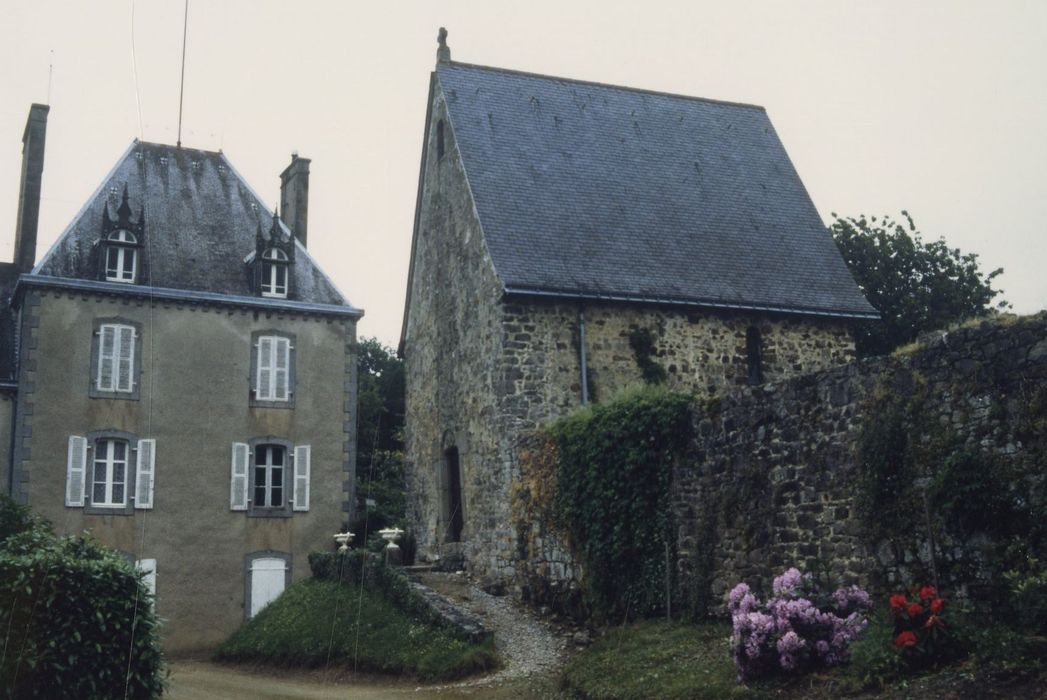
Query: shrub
920	631
614	472
80	620
798	629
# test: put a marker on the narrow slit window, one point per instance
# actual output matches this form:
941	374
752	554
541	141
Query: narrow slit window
754	355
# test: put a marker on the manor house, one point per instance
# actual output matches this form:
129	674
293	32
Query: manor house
182	381
572	239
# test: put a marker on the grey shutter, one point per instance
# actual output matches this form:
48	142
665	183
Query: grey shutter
106	350
76	471
125	358
282	350
238	478
145	474
265	368
302	458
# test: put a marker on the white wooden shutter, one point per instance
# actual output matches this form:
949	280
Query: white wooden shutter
282	352
238	480
148	569
302	456
76	471
145	474
264	381
106	352
125	358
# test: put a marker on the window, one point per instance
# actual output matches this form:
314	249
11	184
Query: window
115	359
754	355
451	505
269	476
269	461
110	472
272	369
274	273
121	256
109	476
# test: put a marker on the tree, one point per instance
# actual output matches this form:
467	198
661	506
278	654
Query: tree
379	439
916	286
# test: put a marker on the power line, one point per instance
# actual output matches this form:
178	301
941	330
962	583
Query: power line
181	89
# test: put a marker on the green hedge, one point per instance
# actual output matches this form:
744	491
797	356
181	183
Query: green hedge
614	473
78	621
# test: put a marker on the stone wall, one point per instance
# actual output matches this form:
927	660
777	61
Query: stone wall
776	470
774	475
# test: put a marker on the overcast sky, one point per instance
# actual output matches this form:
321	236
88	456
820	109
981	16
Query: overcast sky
939	108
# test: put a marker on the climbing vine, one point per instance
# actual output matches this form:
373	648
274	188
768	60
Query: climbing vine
643	342
614	474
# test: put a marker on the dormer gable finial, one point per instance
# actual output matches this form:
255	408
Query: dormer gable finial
124	212
443	51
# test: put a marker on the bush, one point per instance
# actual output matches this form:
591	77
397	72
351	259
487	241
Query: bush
799	629
319	622
80	620
920	630
614	472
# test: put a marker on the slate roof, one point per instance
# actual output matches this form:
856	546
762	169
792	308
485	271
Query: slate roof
590	190
201	219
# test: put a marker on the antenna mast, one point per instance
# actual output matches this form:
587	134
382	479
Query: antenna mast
50	74
181	89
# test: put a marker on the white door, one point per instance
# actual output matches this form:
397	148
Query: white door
267	582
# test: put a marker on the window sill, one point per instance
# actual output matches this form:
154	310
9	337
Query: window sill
108	510
269	513
116	395
258	403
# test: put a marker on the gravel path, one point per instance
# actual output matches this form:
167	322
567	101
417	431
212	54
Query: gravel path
531	649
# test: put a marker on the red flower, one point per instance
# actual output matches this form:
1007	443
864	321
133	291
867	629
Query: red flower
928	592
905	639
897	603
914	609
936	606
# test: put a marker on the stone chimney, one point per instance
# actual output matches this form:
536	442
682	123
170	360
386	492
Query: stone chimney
29	188
294	197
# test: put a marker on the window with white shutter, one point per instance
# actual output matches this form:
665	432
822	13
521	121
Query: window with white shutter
272	370
238	482
76	468
302	457
145	474
115	360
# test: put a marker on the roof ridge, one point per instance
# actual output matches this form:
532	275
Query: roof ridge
594	83
173	147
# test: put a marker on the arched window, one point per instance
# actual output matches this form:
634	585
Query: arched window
121	256
754	355
440	139
274	273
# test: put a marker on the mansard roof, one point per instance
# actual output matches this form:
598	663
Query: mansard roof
200	228
596	191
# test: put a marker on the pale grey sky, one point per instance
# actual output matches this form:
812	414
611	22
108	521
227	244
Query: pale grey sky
935	107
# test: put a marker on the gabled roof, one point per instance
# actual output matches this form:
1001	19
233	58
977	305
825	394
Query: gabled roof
201	220
595	191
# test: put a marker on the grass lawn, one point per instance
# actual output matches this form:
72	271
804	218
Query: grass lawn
655	659
316	623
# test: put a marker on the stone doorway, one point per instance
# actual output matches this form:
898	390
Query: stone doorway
452	496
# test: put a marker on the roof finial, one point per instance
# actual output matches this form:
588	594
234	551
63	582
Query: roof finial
443	52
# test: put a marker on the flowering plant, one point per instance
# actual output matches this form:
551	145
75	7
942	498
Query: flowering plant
919	627
797	629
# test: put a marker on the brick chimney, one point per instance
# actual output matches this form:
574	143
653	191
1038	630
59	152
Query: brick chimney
29	188
294	197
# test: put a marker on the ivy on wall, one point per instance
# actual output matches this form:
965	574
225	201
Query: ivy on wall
614	474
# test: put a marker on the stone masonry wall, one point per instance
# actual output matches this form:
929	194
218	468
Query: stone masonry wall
483	370
773	479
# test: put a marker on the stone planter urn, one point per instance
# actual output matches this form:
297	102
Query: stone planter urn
393	555
344	538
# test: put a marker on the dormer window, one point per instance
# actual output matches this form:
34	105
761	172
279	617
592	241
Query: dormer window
121	256
274	273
